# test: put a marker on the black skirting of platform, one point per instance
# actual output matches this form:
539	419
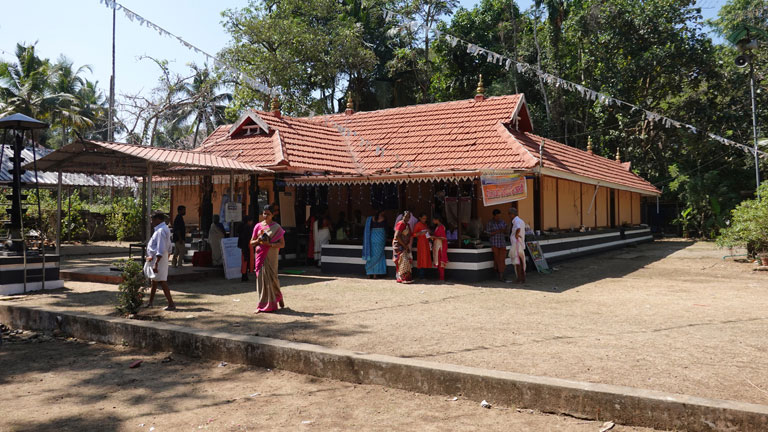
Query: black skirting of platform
473	265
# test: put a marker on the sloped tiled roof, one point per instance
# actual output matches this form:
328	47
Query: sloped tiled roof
306	145
465	135
567	159
450	136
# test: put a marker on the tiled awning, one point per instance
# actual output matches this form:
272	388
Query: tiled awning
98	157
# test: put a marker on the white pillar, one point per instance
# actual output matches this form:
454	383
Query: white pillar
58	216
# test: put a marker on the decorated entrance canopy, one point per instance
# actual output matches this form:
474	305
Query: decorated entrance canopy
97	157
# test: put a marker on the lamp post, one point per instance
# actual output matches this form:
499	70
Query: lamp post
754	124
742	39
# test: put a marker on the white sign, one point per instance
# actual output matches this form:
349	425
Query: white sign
232	257
233	212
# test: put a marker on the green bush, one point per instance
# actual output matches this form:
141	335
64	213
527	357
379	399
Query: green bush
131	290
748	226
124	220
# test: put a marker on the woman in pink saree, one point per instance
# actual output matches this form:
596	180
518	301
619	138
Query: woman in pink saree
268	240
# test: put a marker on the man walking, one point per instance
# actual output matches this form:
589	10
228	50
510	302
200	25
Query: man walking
497	230
179	237
157	252
517	245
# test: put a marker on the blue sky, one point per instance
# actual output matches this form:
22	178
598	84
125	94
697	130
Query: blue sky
82	31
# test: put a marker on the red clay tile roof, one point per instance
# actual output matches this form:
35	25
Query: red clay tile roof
451	136
567	159
302	144
463	135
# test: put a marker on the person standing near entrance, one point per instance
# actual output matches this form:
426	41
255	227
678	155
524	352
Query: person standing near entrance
497	230
158	248
439	246
517	245
179	237
423	256
401	249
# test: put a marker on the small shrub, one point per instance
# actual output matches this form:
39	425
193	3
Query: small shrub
748	226
131	289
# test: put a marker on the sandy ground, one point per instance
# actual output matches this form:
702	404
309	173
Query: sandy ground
59	385
670	316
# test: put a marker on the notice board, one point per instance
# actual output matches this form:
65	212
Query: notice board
231	257
538	256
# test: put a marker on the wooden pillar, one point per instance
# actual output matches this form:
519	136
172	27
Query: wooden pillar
206	205
148	224
537	211
253	196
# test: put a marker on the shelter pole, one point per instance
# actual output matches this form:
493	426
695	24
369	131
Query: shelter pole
110	121
58	215
148	226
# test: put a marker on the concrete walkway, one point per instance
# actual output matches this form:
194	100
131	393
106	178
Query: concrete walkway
625	405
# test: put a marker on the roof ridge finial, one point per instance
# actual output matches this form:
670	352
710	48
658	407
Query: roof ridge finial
350	104
589	144
618	154
480	90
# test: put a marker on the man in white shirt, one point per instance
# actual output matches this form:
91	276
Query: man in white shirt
158	248
517	245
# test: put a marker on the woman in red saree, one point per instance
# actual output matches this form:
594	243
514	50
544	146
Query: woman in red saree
423	255
268	240
439	247
401	249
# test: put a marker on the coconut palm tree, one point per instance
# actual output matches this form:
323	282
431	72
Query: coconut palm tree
25	85
206	104
68	83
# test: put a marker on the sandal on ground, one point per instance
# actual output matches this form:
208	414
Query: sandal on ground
169	308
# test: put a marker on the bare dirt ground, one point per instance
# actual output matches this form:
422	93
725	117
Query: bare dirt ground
670	316
71	385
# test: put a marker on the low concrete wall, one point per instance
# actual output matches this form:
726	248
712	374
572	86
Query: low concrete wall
624	405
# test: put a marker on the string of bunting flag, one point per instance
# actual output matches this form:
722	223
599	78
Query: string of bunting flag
346	132
525	68
133	16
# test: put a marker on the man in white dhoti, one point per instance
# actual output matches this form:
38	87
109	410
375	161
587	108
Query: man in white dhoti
158	249
517	245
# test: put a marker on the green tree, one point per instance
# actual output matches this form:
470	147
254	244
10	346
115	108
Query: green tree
301	47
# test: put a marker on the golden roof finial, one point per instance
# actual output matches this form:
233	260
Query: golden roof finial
480	88
350	103
275	106
618	154
589	144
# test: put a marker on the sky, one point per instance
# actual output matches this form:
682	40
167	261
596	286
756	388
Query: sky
81	30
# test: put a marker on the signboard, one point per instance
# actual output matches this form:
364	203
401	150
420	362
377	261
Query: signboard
500	189
233	212
538	257
231	257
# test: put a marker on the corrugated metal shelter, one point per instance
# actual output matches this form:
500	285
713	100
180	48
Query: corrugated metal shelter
50	180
